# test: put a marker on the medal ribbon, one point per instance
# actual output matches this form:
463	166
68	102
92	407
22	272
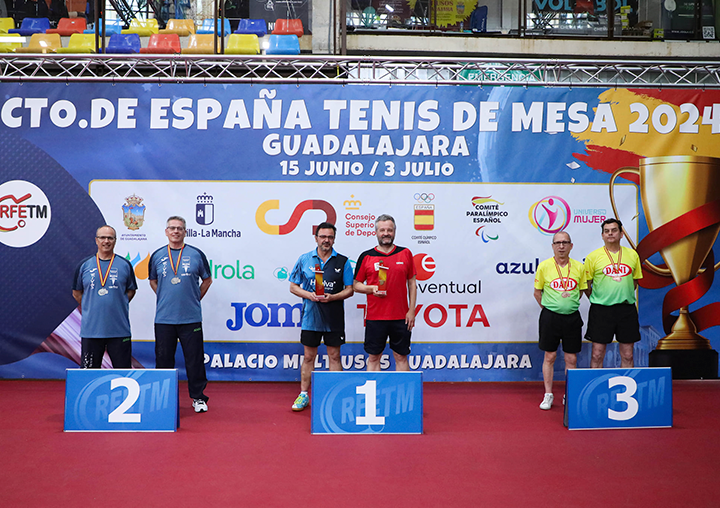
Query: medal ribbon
616	268
103	280
562	281
175	266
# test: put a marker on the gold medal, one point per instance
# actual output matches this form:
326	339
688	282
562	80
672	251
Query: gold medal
617	277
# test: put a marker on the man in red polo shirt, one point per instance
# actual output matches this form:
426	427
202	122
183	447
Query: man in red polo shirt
387	275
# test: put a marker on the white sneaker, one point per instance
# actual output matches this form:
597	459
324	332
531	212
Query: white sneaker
200	406
547	401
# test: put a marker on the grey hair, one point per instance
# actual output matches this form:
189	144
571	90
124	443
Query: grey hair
385	217
176	217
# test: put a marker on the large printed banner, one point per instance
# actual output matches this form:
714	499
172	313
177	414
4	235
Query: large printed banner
478	180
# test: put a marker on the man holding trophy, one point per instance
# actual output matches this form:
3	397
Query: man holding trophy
612	273
386	274
323	279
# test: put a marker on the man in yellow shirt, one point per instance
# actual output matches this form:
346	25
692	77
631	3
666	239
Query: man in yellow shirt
612	272
559	282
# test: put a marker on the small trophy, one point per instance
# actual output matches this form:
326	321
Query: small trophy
319	286
382	278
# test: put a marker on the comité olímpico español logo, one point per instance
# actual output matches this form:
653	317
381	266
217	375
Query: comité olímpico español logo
25	213
550	215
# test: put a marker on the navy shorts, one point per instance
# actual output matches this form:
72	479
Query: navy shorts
608	321
377	333
311	338
556	328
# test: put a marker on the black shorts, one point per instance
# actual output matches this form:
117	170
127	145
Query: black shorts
606	321
555	328
377	333
311	338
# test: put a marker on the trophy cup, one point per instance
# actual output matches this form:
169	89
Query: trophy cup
319	286
382	278
671	187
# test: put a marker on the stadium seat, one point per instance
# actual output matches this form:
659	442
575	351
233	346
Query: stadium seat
181	27
288	27
123	44
144	28
207	27
6	24
68	26
112	26
163	44
80	43
283	45
9	47
31	26
42	43
252	26
200	44
243	44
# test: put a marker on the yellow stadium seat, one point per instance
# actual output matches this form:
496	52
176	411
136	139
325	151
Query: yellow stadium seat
42	43
200	44
243	44
6	24
181	27
9	47
142	28
80	43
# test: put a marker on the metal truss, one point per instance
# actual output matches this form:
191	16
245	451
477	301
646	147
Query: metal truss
360	70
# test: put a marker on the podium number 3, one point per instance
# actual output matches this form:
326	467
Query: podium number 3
626	397
369	389
119	415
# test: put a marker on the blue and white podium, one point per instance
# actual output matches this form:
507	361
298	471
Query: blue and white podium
121	400
619	398
367	403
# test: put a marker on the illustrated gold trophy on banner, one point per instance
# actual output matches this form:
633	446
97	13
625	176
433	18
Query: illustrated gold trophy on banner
670	187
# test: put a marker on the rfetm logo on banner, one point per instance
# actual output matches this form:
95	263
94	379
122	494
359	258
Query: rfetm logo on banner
298	212
550	215
25	213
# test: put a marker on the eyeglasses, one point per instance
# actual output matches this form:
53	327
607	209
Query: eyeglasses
324	237
111	238
562	242
176	228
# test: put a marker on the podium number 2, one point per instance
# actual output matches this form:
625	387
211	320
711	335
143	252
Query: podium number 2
626	397
119	415
369	389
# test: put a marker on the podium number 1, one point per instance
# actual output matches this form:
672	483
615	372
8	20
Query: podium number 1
369	389
626	397
119	415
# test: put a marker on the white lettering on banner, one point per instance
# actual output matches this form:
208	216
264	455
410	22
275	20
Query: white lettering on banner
357	362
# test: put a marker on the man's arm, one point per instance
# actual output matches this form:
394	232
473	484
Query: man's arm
204	286
537	293
588	291
153	285
412	293
130	294
78	296
366	289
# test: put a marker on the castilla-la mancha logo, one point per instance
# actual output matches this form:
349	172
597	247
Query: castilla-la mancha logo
25	213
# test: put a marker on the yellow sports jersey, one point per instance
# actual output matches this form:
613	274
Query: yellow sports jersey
613	281
553	286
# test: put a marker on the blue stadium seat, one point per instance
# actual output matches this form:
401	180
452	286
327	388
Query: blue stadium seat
112	26
31	26
207	27
252	26
123	43
283	45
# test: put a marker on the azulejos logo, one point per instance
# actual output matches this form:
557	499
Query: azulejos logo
550	215
291	224
24	213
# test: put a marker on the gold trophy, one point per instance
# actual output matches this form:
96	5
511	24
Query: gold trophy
671	186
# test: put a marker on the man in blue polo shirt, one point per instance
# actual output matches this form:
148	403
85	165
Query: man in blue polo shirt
103	285
180	276
323	315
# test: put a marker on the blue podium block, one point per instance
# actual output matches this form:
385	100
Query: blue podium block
367	403
619	398
121	400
